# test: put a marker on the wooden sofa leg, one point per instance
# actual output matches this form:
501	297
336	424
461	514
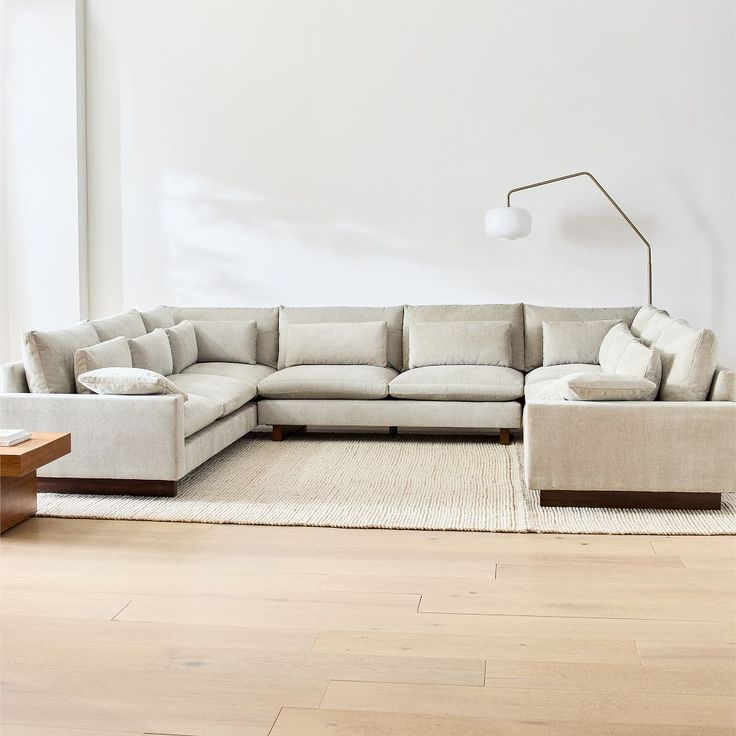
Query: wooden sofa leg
279	432
108	486
631	499
393	430
504	436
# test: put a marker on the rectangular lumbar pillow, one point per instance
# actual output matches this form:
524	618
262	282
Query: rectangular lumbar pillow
152	352
574	342
129	382
688	362
337	343
607	387
109	354
183	341
48	357
460	343
226	341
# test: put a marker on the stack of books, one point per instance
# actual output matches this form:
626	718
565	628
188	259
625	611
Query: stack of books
10	437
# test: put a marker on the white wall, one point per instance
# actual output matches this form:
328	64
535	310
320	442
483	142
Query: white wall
344	151
43	257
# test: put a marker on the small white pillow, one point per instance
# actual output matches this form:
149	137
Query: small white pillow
607	387
574	342
152	352
460	343
129	382
640	361
183	342
688	362
109	354
337	343
226	341
617	339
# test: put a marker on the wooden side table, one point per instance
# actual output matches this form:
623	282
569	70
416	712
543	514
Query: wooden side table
18	465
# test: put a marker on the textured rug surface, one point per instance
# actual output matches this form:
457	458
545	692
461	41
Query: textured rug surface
374	481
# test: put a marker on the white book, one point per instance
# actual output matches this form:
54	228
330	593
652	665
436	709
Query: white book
9	437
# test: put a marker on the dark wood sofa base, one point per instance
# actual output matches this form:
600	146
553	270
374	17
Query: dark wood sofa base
632	499
108	486
280	432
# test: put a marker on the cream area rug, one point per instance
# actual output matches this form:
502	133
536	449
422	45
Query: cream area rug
374	481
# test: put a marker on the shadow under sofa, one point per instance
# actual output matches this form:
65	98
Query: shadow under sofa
145	444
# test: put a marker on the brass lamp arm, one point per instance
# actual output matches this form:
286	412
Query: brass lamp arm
610	199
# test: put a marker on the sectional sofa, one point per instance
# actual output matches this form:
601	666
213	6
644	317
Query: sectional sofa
619	406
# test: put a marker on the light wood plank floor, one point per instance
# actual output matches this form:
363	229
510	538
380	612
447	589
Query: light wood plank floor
128	628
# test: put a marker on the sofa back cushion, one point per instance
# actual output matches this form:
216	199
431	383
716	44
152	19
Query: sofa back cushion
183	342
48	357
152	352
534	316
337	343
574	342
688	362
392	316
226	341
113	353
642	317
266	319
162	316
126	324
513	313
460	343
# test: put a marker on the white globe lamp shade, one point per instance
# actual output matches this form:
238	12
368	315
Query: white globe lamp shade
508	223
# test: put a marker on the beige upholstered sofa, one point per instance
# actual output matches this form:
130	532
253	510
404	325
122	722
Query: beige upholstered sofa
397	367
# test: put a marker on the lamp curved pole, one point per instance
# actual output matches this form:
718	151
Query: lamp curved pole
610	199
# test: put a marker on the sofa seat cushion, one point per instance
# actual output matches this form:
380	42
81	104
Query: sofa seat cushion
539	383
328	382
245	372
230	393
200	412
459	383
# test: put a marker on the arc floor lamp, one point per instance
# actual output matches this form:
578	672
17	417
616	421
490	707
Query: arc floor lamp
510	223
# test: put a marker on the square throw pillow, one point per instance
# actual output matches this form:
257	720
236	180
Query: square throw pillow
183	342
48	357
226	341
617	339
109	354
152	352
460	343
129	382
607	387
337	343
574	342
641	362
688	362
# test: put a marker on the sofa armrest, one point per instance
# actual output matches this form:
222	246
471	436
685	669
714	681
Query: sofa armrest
137	437
630	446
13	378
